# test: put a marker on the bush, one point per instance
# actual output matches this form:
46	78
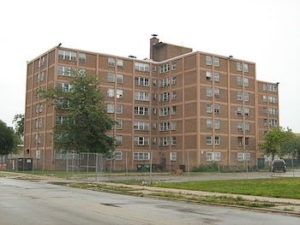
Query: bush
213	167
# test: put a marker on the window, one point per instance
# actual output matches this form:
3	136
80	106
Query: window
42	61
273	123
119	124
38	139
120	78
61	119
265	98
242	110
217	140
242	81
243	156
173	156
165	82
211	139
241	141
119	93
110	92
142	96
39	108
38	123
118	140
139	110
65	71
164	111
242	96
120	63
154	139
240	66
141	141
212	76
111	62
245	67
173	65
67	55
141	125
213	123
141	156
173	110
216	61
217	108
65	87
82	57
210	91
164	97
164	126
38	154
165	68
174	80
208	60
241	126
209	107
209	123
110	77
40	76
174	140
143	67
119	109
271	111
164	141
213	156
270	87
62	103
174	95
272	99
111	108
142	81
118	155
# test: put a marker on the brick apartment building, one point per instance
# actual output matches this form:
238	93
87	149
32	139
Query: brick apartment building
177	108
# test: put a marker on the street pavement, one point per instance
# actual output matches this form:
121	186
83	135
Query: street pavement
38	203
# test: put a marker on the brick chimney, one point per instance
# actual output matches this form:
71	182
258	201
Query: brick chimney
153	41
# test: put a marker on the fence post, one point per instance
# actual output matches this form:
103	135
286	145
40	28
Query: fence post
96	166
293	164
126	168
151	167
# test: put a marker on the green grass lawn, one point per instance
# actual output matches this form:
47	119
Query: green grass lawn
276	187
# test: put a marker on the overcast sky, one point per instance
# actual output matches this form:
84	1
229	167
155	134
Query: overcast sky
264	31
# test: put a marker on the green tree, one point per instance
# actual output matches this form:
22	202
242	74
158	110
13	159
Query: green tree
292	146
275	139
8	139
19	124
82	120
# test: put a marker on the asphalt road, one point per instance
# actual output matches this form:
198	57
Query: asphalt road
38	203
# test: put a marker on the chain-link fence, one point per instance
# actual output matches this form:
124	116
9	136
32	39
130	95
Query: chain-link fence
95	166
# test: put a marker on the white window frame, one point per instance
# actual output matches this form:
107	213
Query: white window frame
143	67
173	156
141	156
213	156
243	156
141	110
